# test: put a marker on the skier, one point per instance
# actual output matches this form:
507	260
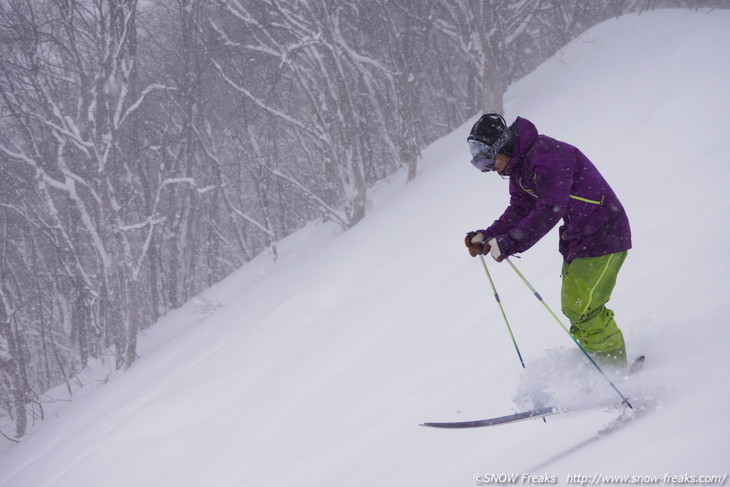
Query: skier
550	180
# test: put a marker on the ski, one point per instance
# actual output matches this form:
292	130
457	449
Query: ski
636	365
633	368
511	418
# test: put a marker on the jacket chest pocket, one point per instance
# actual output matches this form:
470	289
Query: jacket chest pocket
531	191
528	189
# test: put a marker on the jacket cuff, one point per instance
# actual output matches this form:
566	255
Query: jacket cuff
505	245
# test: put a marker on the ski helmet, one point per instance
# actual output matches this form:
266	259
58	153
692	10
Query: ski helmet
492	130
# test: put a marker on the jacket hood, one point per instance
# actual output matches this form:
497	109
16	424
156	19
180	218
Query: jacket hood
525	134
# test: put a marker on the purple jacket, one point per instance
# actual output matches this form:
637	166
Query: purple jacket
550	180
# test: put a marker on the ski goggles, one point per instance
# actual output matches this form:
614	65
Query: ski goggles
482	155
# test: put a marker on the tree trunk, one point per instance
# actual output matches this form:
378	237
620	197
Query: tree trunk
10	365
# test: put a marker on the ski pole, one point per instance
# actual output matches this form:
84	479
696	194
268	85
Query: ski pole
625	400
496	296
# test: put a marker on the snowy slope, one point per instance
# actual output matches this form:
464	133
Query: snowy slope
317	370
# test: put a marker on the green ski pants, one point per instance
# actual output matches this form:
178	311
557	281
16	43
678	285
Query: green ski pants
587	287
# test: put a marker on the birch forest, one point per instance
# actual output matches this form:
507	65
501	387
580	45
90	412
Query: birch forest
151	147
